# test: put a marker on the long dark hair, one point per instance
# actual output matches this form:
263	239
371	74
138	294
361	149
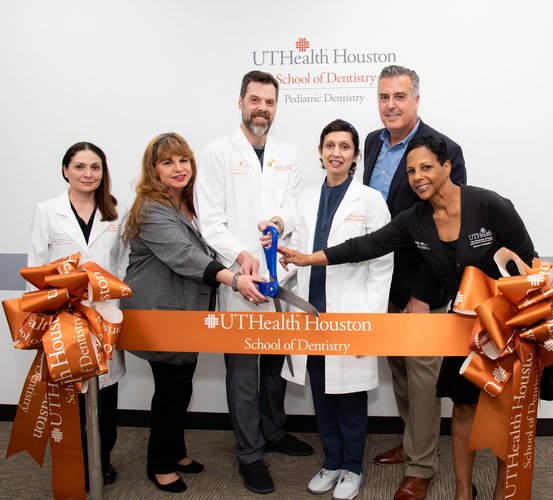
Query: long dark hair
105	201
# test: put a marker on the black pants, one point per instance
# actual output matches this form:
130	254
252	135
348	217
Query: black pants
172	393
107	415
341	421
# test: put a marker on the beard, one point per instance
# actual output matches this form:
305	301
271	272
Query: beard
257	130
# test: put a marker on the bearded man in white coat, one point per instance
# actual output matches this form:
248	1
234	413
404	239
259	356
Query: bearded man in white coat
246	181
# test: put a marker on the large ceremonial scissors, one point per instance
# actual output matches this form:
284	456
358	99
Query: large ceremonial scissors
273	290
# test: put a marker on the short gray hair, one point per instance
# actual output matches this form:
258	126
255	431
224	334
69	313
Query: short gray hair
393	70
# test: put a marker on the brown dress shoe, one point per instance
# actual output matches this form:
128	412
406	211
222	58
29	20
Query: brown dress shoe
413	488
390	457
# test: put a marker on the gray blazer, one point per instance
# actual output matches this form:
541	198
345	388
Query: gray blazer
169	268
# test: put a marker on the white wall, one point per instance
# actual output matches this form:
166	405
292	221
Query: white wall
118	73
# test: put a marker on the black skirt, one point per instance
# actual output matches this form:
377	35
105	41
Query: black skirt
452	385
546	384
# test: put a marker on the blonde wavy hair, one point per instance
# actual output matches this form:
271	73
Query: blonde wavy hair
150	188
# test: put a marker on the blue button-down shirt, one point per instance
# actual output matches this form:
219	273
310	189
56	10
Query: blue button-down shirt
388	161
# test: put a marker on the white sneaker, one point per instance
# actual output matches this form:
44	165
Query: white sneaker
348	485
323	481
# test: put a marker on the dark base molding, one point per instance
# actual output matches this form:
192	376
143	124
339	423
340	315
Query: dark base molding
296	423
221	421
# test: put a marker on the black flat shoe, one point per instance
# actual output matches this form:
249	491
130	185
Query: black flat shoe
110	475
177	486
191	468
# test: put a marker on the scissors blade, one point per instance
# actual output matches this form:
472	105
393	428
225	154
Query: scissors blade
294	300
278	308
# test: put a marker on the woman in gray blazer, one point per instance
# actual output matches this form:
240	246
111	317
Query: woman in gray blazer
170	267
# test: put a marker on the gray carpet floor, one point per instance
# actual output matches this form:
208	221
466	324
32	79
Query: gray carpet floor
21	478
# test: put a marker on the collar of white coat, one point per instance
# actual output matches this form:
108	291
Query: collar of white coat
71	225
269	153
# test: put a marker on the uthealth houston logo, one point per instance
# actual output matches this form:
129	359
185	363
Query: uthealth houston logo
292	322
302	52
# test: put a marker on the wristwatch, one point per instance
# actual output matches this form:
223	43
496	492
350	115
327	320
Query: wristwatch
277	224
234	284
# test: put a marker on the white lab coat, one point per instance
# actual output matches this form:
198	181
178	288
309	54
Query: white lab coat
357	288
232	195
55	233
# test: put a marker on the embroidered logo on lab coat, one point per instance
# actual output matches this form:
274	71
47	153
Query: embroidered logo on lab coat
239	167
356	218
61	239
279	168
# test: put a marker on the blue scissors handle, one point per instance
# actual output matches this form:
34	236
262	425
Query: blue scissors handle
270	288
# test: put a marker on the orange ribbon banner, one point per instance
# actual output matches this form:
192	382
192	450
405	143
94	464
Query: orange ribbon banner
74	329
512	341
296	333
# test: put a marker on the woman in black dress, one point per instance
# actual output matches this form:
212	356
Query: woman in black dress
443	228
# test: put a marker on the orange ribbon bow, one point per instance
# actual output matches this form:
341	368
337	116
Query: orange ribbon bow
512	342
75	329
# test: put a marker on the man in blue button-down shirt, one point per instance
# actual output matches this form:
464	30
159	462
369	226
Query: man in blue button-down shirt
413	288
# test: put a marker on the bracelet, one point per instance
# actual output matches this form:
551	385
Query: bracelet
234	284
277	224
